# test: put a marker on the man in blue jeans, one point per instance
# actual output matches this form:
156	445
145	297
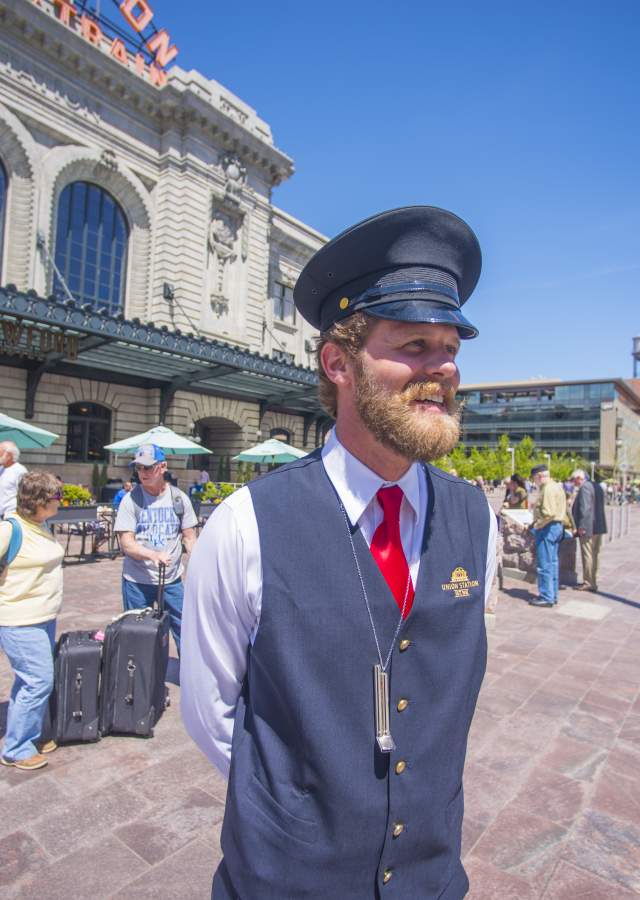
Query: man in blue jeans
154	520
548	528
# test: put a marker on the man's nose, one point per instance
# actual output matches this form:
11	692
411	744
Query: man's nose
441	367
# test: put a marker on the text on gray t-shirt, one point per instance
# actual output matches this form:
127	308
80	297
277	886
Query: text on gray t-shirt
156	526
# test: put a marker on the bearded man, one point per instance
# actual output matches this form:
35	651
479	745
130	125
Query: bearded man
333	634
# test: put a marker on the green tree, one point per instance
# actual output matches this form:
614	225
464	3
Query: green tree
526	456
503	458
563	464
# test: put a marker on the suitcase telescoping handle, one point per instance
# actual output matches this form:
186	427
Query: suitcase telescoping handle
77	695
162	576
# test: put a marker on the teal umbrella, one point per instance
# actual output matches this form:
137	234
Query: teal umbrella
271	451
173	444
24	435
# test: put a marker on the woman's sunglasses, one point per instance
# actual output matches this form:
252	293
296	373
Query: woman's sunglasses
146	468
56	496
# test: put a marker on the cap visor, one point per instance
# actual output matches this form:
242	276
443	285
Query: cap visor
425	311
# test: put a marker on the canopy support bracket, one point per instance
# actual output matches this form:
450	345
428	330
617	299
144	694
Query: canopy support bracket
33	380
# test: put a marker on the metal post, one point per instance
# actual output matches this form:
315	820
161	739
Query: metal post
626	517
620	521
612	519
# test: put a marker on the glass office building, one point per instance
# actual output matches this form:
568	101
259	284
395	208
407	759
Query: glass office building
594	419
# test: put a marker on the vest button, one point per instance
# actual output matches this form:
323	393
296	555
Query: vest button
404	643
400	766
402	704
398	828
387	876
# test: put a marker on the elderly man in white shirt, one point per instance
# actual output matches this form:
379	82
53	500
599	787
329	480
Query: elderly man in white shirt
11	475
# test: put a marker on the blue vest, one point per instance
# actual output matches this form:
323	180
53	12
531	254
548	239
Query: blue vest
312	803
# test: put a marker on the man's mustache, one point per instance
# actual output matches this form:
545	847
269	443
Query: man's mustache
418	390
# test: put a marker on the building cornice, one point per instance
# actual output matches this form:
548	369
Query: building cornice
188	101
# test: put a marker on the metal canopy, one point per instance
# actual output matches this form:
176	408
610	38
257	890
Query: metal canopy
47	335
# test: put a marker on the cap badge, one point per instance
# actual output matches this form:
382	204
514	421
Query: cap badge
344	302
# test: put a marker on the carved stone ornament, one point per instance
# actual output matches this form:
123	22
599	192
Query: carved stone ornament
235	175
221	240
219	305
107	161
35	78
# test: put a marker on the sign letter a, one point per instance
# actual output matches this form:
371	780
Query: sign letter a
119	50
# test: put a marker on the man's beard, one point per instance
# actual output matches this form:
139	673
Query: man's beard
389	416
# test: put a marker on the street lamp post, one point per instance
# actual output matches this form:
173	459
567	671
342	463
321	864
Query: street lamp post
513	459
547	456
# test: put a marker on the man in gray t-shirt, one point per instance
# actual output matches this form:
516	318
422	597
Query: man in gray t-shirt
154	520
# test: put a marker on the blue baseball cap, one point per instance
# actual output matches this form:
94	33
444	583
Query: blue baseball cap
148	455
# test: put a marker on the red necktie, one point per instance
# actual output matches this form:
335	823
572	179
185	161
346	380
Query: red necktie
386	547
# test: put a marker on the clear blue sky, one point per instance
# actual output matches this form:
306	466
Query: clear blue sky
523	118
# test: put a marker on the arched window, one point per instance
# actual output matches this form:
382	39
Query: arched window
91	246
88	430
3	204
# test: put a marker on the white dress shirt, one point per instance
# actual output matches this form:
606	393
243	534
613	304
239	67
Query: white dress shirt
223	593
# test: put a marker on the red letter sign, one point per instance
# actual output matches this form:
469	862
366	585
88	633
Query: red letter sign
65	10
91	30
159	46
139	22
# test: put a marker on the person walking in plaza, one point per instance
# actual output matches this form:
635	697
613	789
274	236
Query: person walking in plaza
334	637
154	521
549	515
516	496
599	528
584	512
11	473
30	599
122	493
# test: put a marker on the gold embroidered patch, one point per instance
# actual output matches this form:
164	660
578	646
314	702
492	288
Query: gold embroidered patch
460	583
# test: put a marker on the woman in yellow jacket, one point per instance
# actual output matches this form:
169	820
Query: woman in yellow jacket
30	598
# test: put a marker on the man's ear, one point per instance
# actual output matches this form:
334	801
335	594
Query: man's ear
336	364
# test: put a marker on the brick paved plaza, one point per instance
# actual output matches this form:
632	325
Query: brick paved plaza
552	778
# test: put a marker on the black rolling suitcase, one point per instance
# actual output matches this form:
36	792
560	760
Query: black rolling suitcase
136	652
74	704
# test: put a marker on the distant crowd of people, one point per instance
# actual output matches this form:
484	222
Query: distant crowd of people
575	508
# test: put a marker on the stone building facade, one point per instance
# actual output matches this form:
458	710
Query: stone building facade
171	177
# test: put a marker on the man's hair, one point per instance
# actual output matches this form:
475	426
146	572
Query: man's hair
351	334
10	447
578	473
35	490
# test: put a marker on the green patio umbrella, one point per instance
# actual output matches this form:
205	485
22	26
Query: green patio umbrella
173	444
24	435
271	451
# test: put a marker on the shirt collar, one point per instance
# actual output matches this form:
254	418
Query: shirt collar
357	485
